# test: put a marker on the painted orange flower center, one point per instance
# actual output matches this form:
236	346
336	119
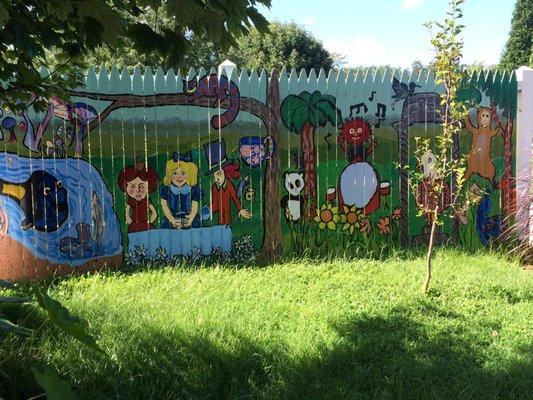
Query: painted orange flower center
351	218
326	215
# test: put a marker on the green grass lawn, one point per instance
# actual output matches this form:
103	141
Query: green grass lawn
301	330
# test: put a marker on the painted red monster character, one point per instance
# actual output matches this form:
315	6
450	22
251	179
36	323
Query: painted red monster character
355	132
359	183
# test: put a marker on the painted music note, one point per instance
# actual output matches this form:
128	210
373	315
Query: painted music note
381	111
371	98
358	107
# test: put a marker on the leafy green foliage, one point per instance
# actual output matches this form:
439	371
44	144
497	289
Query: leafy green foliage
7	326
518	49
57	314
315	109
285	46
7	285
54	387
61	317
37	32
7	302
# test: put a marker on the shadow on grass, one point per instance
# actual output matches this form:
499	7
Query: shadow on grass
389	357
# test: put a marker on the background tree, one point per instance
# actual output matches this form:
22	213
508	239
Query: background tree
518	48
302	114
31	29
285	46
201	53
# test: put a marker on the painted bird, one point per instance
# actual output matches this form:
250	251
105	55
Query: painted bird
487	227
402	91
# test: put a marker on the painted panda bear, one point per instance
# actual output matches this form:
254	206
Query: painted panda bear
293	202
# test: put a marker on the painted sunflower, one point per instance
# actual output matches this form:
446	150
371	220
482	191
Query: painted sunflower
327	216
352	219
384	226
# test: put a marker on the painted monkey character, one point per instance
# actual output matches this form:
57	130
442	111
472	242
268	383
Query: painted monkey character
293	202
355	132
479	161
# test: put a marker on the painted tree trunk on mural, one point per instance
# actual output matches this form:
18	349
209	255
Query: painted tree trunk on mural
272	247
307	138
403	144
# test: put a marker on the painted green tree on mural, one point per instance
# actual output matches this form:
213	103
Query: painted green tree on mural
303	114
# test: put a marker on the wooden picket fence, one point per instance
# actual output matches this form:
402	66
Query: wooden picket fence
158	167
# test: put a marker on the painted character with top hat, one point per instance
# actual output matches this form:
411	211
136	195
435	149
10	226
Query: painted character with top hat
223	192
180	193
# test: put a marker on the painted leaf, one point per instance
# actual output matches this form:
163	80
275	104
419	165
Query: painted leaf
317	117
305	96
299	117
54	387
294	110
7	326
470	95
330	111
315	98
61	317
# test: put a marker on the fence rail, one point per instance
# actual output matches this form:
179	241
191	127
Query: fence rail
158	166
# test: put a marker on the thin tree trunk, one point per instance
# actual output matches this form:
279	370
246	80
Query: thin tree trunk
454	190
272	247
429	256
307	138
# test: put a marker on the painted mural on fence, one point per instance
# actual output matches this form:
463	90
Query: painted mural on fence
160	167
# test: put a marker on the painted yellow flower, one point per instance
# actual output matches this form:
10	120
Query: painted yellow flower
352	219
327	216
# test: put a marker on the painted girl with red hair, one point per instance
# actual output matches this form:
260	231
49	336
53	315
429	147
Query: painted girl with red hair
137	182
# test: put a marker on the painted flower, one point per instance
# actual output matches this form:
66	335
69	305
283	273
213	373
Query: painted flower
365	226
384	226
397	213
327	216
352	219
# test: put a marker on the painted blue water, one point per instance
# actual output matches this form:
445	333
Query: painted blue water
182	241
101	235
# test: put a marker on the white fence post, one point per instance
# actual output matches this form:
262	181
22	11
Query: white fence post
524	152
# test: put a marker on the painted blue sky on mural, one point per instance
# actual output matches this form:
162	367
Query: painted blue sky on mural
391	32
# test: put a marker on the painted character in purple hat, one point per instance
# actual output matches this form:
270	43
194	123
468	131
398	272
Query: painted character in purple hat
180	193
223	192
